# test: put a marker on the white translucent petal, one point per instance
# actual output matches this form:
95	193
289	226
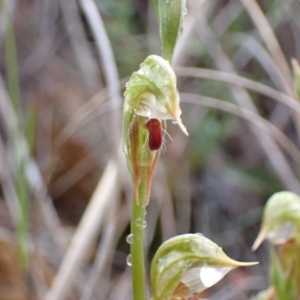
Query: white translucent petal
151	108
209	276
198	279
282	234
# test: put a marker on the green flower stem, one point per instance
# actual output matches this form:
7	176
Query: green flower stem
137	246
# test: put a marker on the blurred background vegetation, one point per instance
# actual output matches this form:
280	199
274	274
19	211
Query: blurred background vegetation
64	65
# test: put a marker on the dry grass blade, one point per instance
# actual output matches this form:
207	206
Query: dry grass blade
230	12
104	252
105	52
277	159
46	45
32	171
80	47
251	48
240	81
250	116
86	113
71	128
8	187
271	42
117	220
85	234
73	175
12	283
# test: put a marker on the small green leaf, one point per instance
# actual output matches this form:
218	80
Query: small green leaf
281	219
188	264
31	118
170	15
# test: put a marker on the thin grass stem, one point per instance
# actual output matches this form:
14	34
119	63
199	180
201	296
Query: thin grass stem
11	62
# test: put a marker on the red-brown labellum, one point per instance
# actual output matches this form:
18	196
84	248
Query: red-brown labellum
155	134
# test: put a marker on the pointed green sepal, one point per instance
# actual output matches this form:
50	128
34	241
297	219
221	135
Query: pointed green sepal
185	265
170	15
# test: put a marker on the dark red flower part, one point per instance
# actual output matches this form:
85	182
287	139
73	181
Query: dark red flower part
155	134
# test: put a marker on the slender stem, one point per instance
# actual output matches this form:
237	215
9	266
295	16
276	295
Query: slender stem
137	246
21	183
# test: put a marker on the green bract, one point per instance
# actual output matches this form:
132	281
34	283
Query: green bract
170	14
281	219
188	264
